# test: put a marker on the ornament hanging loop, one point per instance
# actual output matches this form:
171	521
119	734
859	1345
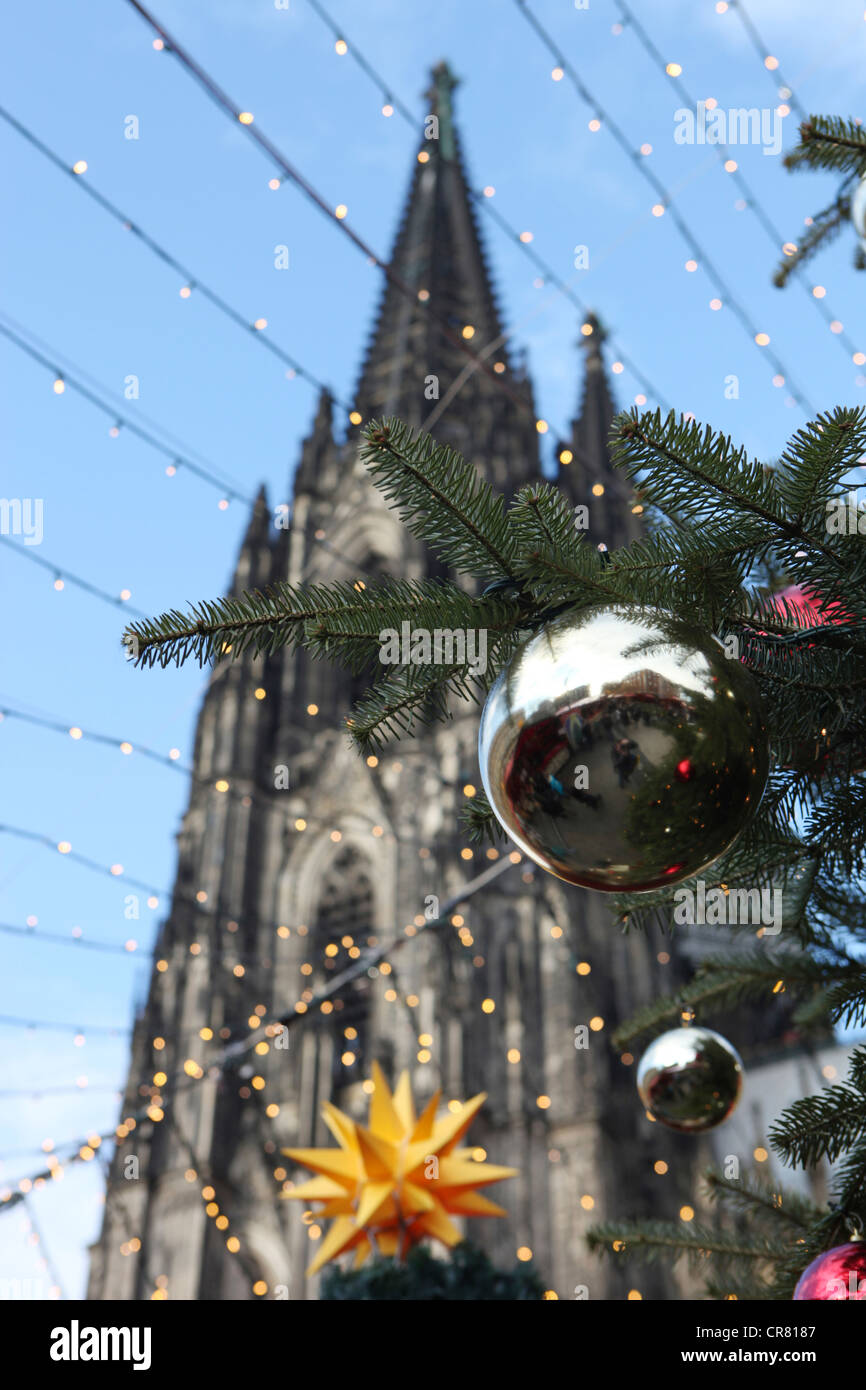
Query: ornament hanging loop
854	1226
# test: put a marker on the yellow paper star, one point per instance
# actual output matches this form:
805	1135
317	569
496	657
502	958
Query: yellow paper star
399	1179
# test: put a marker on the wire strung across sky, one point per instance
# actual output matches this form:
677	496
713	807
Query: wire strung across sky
665	204
723	154
192	282
128	948
334	216
482	197
178	460
63	576
37	1092
155	894
53	1025
44	1252
233	1052
769	61
171	760
235	1049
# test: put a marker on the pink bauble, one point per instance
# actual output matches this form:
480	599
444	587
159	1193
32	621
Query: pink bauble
839	1274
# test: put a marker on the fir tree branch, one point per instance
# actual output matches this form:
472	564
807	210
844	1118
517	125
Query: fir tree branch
339	621
754	1197
441	499
648	1240
722	982
741	1287
477	818
668	454
394	706
257	621
357	632
555	561
824	1125
816	460
825	226
829	142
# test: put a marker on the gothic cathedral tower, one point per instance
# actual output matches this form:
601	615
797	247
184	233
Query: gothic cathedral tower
294	854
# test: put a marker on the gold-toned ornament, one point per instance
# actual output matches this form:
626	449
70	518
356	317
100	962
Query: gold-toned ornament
397	1180
690	1079
622	750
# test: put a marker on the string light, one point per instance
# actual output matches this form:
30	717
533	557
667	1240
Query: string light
52	1025
193	1072
645	167
202	78
217	784
749	199
770	62
374	955
62	575
190	281
78	386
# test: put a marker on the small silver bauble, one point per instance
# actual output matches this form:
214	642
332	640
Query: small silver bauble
622	750
690	1079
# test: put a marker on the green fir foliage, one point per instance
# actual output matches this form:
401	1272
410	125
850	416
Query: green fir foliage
727	533
465	1274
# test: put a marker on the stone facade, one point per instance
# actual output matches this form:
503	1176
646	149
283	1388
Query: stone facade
378	842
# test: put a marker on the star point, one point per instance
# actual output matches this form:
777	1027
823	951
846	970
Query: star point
398	1179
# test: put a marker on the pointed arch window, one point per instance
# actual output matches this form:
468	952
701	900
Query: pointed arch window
344	921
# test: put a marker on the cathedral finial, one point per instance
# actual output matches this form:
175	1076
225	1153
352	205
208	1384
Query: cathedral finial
438	94
593	334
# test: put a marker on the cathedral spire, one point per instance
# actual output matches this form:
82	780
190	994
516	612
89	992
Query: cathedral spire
586	473
438	252
597	409
253	564
438	94
315	472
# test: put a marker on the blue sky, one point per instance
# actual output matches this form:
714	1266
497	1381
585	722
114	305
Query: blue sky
107	308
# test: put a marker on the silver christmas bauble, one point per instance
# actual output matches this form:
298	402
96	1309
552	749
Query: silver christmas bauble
690	1079
621	750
